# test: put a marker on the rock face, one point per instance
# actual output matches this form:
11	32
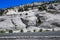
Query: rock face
32	19
54	8
6	23
11	23
23	21
18	22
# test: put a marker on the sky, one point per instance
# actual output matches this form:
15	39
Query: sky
11	3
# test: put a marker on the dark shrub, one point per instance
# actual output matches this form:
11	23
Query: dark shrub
10	31
20	9
21	30
26	14
34	30
25	9
2	31
40	30
1	12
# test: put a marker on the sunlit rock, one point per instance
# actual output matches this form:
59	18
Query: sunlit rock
6	24
18	22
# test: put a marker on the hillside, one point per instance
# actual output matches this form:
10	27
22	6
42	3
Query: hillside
31	18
